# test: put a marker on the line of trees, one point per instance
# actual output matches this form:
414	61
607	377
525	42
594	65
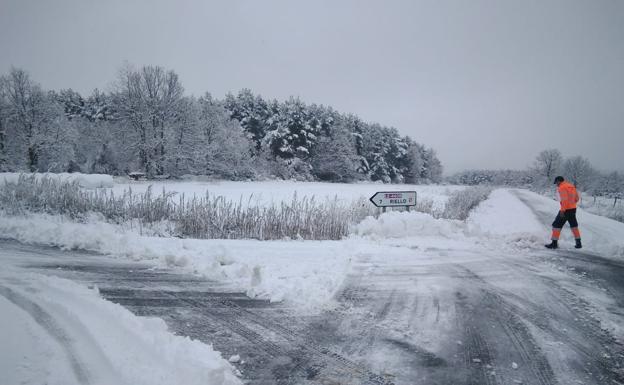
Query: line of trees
547	165
147	124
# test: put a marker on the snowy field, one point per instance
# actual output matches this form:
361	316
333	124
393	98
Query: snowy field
274	192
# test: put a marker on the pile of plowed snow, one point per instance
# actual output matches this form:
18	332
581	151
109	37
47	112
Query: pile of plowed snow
56	332
396	224
305	273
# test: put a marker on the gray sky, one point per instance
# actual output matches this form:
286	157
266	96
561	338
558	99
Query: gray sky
487	83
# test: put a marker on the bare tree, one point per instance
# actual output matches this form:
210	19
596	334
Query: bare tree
579	171
31	114
149	101
226	150
548	164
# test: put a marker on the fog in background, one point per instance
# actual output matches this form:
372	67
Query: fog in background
488	84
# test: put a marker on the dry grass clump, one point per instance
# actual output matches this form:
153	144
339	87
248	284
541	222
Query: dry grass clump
207	217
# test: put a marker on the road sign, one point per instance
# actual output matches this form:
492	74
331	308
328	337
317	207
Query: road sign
394	198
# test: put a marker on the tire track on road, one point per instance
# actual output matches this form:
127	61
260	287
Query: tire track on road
54	330
316	358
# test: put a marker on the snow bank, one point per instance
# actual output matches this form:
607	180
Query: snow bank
501	221
59	332
83	180
306	274
408	224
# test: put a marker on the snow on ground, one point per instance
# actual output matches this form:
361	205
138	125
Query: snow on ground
56	332
269	192
83	180
306	273
600	235
502	214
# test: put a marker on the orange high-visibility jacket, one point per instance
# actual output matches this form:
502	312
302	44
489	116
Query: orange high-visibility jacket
568	196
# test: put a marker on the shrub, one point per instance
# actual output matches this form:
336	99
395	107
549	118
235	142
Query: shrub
461	202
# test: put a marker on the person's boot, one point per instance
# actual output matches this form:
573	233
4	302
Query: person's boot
552	245
578	244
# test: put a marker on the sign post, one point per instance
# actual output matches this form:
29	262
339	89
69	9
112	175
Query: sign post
385	199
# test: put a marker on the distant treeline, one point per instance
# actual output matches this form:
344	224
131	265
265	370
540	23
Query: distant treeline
147	124
547	165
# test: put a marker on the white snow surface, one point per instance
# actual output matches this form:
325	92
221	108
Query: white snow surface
306	273
56	332
600	235
84	180
503	214
259	193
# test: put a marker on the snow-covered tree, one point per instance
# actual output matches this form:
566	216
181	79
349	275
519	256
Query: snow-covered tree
294	136
72	102
334	157
227	150
412	162
579	171
252	112
34	128
375	148
432	167
148	100
147	124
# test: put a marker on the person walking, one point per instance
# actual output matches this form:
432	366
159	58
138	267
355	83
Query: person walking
568	197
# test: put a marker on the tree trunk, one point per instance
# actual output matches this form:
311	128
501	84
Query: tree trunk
32	158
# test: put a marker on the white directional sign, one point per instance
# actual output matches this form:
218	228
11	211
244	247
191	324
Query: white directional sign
394	198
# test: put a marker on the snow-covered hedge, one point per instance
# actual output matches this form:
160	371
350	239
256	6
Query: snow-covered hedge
82	180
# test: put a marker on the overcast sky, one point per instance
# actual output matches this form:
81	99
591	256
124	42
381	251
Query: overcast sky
487	83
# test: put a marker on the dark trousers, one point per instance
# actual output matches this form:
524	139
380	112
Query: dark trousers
570	217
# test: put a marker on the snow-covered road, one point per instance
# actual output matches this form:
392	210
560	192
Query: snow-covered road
412	310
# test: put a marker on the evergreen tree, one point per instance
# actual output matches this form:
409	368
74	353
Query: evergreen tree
334	157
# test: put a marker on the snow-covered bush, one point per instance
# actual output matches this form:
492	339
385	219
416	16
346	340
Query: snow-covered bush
461	202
